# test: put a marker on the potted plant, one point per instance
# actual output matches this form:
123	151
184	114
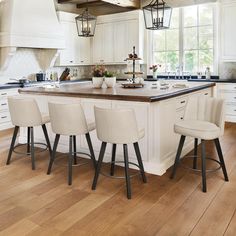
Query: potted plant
98	75
110	79
154	69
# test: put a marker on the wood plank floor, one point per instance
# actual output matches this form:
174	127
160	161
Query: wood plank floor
33	203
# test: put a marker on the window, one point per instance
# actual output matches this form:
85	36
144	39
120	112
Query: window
188	43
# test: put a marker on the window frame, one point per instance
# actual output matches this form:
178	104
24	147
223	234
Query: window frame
181	41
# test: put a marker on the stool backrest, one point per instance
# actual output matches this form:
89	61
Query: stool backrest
206	109
24	111
118	126
67	119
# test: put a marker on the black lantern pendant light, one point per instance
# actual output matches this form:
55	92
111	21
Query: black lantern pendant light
86	24
157	15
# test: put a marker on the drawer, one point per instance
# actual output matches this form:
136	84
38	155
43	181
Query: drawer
5	117
230	109
8	92
227	87
181	102
229	97
3	104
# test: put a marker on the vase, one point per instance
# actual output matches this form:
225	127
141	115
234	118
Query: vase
110	82
154	75
97	82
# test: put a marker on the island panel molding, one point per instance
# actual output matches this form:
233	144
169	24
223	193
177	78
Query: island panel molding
159	145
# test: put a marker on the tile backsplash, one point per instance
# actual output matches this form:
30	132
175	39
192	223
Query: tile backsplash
227	70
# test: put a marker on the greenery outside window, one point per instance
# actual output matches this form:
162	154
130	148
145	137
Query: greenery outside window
188	44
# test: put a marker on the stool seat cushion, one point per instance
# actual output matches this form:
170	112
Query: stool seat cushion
45	118
91	126
198	129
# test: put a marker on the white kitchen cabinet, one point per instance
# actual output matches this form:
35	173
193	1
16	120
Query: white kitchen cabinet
5	118
228	33
78	49
116	35
228	93
103	43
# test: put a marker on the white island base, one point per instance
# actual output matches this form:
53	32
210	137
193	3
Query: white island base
158	147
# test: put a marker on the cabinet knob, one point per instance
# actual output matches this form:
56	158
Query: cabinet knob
181	118
206	94
71	61
182	102
82	61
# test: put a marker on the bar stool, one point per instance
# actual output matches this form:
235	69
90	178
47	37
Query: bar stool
25	113
118	127
203	119
69	120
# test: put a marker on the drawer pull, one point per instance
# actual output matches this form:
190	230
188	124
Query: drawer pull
3	94
182	102
3	117
3	104
206	94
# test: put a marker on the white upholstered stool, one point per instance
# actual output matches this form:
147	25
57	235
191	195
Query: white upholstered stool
25	113
203	119
118	127
69	120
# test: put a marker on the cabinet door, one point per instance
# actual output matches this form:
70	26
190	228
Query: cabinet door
97	44
133	35
85	51
67	56
108	42
228	32
121	49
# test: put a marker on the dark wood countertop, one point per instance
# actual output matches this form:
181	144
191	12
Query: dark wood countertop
145	94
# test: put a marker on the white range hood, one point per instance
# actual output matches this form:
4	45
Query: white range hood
30	24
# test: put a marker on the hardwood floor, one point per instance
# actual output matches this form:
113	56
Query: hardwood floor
33	203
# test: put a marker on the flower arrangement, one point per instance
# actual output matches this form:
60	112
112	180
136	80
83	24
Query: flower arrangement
109	74
154	68
99	71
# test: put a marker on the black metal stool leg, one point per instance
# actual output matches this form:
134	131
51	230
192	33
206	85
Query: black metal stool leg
177	158
127	176
28	139
99	165
32	147
203	149
140	162
219	151
47	138
113	158
91	149
195	153
52	158
12	144
74	150
70	161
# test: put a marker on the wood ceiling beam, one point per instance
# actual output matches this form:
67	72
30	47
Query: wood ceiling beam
124	3
93	4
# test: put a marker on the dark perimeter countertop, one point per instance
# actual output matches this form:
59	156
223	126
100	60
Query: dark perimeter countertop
145	94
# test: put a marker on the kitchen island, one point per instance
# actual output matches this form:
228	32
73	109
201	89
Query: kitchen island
156	110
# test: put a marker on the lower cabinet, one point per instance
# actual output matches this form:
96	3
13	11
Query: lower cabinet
5	118
227	91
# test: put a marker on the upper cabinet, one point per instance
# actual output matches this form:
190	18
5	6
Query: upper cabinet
228	32
78	49
116	35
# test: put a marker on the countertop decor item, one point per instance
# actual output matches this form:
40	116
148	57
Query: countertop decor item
86	23
154	69
98	75
157	15
133	57
110	79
